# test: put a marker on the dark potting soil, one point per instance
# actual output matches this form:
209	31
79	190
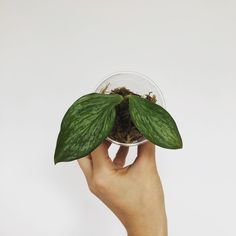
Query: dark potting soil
124	130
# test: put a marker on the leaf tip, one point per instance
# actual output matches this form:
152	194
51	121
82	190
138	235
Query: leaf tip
180	143
55	160
57	157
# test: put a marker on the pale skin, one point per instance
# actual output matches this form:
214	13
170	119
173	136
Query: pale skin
134	193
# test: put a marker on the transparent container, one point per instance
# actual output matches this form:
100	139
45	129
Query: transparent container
135	82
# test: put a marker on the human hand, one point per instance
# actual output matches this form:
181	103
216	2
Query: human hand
134	193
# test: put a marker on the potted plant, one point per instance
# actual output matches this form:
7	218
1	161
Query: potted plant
120	115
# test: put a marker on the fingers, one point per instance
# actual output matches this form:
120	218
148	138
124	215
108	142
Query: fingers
107	143
146	153
100	157
95	160
85	164
120	157
146	149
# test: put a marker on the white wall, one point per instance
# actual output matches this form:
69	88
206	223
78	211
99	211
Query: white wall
52	52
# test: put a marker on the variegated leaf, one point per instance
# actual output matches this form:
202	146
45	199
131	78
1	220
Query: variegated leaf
85	125
154	122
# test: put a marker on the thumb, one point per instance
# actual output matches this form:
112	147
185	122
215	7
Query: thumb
146	154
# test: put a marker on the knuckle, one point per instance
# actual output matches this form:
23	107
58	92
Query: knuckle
117	163
92	188
99	183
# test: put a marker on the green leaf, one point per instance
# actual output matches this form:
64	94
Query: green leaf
154	122
85	125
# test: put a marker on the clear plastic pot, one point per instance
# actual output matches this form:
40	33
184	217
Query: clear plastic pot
137	83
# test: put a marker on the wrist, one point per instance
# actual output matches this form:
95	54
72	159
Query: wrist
151	226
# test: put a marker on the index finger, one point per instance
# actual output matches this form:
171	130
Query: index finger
100	157
85	164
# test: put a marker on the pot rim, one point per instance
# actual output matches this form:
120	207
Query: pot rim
107	77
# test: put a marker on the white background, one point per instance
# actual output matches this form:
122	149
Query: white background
52	52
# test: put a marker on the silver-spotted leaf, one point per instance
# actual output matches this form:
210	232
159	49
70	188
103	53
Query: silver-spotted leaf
154	122
85	125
